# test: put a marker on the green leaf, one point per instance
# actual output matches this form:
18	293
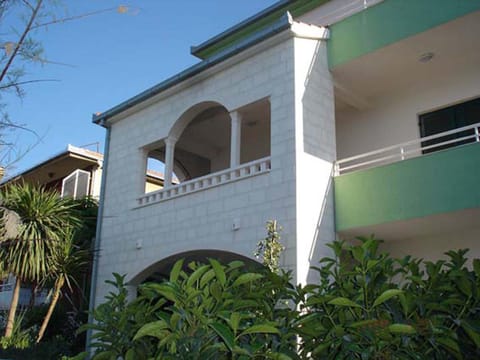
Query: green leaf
386	295
402	329
279	356
207	277
341	301
219	272
105	355
362	323
165	290
196	275
216	291
152	329
320	349
464	286
472	334
451	346
81	356
176	270
404	301
225	333
260	329
245	278
130	355
234	321
476	266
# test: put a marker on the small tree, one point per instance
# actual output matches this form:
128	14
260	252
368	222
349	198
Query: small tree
44	218
67	261
270	248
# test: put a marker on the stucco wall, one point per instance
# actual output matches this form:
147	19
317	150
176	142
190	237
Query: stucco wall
393	118
433	247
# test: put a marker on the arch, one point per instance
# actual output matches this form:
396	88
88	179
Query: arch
188	115
202	138
161	269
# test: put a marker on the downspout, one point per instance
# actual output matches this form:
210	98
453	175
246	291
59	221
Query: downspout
98	238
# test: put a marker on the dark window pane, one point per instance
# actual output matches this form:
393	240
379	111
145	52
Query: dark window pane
450	118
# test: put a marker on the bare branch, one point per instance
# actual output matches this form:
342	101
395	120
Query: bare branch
27	3
20	83
22	39
74	17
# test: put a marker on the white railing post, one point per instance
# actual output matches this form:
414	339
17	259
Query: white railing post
336	169
477	135
402	153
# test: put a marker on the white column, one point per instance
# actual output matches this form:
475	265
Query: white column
169	154
235	139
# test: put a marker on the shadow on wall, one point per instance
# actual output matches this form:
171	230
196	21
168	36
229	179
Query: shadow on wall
319	108
324	233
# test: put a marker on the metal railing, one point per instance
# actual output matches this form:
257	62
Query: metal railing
243	171
6	287
406	150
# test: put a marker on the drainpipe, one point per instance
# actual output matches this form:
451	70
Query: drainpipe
98	238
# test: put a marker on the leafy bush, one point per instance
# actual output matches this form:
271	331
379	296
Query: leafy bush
204	311
370	306
366	305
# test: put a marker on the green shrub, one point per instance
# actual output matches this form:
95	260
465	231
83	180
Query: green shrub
370	306
204	311
366	305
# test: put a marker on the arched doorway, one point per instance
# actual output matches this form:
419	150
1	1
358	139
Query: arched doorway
160	270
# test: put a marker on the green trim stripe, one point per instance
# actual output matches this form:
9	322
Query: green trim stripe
389	22
440	182
296	8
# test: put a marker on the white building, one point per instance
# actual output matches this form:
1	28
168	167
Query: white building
258	129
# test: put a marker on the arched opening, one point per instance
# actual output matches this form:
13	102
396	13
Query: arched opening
160	270
204	145
205	140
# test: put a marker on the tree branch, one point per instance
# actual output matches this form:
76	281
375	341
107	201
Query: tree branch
71	18
22	39
20	83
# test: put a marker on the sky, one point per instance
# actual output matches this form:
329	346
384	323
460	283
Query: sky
105	59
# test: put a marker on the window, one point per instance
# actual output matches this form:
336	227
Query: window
76	185
450	118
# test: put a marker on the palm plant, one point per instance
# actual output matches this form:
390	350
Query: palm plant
43	218
67	260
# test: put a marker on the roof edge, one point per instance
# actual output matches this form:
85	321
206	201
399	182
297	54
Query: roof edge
284	23
196	49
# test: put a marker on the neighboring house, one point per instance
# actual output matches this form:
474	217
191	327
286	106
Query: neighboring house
75	172
325	122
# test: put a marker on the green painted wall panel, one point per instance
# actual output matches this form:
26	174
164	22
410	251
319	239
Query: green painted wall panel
389	22
436	183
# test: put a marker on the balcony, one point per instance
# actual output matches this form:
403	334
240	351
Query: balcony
6	291
420	185
243	171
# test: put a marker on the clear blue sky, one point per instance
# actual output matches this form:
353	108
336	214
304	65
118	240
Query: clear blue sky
111	58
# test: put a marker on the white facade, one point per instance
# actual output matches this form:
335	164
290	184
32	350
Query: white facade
137	233
224	192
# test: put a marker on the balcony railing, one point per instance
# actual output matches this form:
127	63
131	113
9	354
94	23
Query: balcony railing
6	291
243	171
407	150
6	287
